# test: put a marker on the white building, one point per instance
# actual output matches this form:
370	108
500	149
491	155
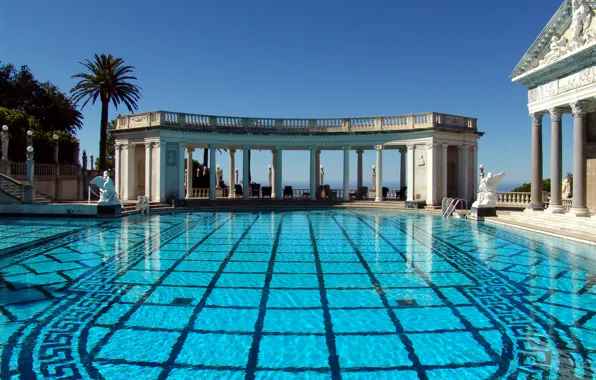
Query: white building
438	151
560	73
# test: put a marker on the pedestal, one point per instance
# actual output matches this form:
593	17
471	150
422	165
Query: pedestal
109	209
415	204
478	213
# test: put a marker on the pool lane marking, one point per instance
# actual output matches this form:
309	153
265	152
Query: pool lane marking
169	364
408	345
253	354
526	312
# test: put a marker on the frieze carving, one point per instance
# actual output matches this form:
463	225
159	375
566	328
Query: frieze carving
583	78
139	119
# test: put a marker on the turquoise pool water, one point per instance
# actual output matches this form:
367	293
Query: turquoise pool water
293	295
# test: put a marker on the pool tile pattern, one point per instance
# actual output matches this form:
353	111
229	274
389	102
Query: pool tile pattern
297	295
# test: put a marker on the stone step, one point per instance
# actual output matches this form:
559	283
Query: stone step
558	222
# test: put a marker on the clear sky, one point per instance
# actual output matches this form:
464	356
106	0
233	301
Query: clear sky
309	58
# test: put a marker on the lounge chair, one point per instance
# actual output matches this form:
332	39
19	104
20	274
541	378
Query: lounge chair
319	194
385	192
256	190
330	194
401	195
362	193
266	191
238	190
288	192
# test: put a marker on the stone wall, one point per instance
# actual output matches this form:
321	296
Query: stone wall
420	172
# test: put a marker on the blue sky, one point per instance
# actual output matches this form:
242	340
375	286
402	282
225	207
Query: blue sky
302	59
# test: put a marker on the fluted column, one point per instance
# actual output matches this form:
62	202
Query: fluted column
212	172
245	172
444	167
411	171
131	176
318	160
346	191
231	168
402	168
274	187
462	168
578	207
160	160
359	173
118	167
379	168
278	172
536	168
148	167
181	150
430	174
474	194
555	205
313	172
189	172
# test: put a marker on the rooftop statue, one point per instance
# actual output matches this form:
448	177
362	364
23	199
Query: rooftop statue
580	22
107	194
487	194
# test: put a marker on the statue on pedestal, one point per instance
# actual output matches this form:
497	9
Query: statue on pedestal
487	191
107	194
566	189
219	177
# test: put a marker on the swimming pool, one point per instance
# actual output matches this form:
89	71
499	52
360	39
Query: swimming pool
296	295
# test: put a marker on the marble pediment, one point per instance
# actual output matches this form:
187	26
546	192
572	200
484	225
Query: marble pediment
570	33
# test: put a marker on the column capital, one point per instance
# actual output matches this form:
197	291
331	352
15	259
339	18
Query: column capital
212	146
346	148
378	147
232	151
432	145
556	113
279	148
190	150
148	145
462	147
579	108
445	145
126	146
245	147
537	118
359	151
410	147
313	148
159	144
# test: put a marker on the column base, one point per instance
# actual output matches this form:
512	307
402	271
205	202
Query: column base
579	212
535	207
378	199
555	209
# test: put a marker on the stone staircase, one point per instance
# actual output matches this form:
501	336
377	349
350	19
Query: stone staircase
557	222
16	191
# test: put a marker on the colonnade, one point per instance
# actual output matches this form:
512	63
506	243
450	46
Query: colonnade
579	110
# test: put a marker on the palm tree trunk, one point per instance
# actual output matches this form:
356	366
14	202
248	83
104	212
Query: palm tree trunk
103	131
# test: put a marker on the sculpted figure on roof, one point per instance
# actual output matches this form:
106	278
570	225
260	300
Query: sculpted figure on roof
580	22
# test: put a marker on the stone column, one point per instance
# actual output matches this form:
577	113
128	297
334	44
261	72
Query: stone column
148	158
313	172
212	172
160	160
189	172
126	174
346	191
181	169
278	172
430	174
578	207
555	205
474	194
132	175
274	187
245	172
444	167
117	167
379	166
359	173
462	169
318	157
402	168
536	169
411	166
231	168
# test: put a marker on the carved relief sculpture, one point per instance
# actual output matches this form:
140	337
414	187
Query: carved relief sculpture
421	161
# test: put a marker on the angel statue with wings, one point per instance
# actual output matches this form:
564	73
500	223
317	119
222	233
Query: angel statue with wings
107	194
487	191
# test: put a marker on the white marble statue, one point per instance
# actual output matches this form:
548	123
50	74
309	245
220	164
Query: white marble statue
566	189
143	204
107	194
218	176
487	191
421	161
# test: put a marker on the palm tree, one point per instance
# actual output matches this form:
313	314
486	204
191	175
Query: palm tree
108	79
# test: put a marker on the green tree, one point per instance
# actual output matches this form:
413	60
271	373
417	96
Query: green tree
108	78
527	187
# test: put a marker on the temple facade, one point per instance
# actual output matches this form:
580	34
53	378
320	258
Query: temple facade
560	73
439	152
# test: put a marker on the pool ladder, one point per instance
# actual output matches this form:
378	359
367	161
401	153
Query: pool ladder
449	206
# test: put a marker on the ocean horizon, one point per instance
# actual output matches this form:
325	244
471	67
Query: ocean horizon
504	187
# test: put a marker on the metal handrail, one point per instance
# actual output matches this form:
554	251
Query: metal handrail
453	203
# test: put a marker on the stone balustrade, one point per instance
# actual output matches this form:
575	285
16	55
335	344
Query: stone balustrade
429	120
20	168
518	199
